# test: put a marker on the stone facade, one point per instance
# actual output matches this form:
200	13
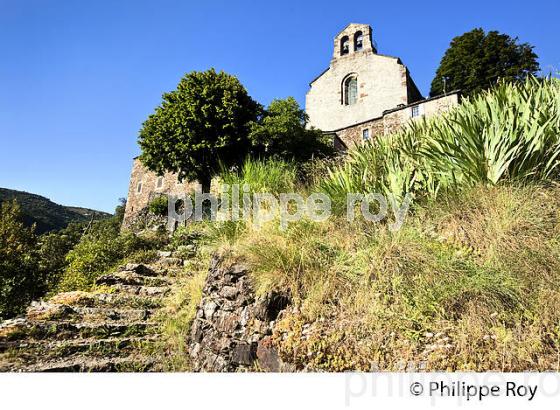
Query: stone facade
383	82
391	120
145	185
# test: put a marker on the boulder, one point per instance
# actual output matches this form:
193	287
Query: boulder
138	268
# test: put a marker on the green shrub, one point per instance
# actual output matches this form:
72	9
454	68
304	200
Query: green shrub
52	250
100	250
158	205
143	256
190	234
30	265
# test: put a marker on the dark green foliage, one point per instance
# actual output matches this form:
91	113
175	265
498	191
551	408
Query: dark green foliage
52	250
476	60
45	214
203	123
281	133
119	212
159	205
99	250
18	261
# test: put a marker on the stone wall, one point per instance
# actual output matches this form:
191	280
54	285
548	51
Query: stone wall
145	185
383	83
351	136
233	328
394	119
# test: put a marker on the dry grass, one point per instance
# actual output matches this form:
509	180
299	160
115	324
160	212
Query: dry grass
177	315
469	283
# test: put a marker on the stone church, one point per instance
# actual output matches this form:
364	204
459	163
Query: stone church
361	95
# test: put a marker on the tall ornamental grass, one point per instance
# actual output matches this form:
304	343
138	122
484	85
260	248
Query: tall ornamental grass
271	175
511	132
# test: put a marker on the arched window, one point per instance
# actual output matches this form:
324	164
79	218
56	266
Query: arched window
358	41
344	45
350	90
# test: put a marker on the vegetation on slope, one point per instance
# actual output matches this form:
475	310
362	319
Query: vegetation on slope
45	214
102	248
32	266
470	281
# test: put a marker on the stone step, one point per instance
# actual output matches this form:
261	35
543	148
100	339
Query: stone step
89	314
106	299
138	269
61	330
87	365
170	262
131	278
145	291
105	330
44	311
37	352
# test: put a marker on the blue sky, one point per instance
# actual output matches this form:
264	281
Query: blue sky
78	78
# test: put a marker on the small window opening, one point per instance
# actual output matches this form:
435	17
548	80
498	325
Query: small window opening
365	134
415	111
159	182
139	187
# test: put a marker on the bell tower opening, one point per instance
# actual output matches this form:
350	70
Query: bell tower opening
358	41
344	46
354	38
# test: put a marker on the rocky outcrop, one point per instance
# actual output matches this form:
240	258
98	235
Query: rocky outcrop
144	220
233	328
110	329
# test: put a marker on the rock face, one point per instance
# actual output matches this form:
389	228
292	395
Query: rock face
232	328
107	330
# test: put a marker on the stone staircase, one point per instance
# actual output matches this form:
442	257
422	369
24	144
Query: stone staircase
110	329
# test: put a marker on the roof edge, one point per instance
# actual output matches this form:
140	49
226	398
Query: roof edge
412	104
458	92
320	75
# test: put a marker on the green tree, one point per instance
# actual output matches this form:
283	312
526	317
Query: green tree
18	261
52	250
282	132
200	125
476	60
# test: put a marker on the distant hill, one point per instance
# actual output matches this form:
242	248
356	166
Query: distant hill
47	215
